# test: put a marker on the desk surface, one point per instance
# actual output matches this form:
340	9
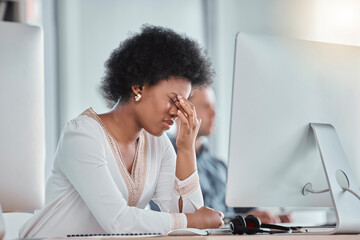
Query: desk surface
233	237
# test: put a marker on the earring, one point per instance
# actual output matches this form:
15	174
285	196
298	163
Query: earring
137	97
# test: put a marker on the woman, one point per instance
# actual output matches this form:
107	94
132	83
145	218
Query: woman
109	166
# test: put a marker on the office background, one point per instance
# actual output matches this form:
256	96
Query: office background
80	34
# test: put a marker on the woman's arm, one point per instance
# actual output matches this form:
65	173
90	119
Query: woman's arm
167	194
189	127
186	164
170	189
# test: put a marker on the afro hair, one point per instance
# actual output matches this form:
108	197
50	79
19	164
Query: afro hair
154	54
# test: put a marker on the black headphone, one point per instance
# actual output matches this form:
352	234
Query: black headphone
252	225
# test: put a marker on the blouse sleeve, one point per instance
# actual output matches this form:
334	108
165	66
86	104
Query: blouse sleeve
83	162
169	189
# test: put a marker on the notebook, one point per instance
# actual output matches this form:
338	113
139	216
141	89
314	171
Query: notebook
113	235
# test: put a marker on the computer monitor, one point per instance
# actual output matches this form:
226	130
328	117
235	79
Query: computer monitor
22	118
281	86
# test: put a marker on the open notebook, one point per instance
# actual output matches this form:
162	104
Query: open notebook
177	232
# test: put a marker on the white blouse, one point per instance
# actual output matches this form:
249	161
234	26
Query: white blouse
90	190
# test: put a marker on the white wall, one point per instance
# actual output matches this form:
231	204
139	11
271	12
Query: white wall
52	111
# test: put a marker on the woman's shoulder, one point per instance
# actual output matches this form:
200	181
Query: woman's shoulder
83	123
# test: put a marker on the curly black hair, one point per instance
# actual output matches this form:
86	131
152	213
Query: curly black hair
154	54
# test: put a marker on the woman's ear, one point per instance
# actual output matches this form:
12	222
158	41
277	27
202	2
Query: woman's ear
137	91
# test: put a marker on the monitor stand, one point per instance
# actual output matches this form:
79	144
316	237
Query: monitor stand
338	173
2	225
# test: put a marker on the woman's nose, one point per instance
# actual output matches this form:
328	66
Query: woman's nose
173	111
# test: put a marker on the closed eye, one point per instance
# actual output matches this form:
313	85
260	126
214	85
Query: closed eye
173	100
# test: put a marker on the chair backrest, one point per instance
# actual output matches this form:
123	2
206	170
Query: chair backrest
22	118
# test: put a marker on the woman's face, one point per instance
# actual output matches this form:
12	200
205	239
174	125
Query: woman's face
156	109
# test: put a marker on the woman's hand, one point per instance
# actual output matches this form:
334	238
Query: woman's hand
189	125
185	143
205	218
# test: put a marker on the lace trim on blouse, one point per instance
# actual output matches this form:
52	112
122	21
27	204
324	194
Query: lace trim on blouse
135	182
188	186
177	221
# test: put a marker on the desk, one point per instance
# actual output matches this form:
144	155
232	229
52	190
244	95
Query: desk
243	237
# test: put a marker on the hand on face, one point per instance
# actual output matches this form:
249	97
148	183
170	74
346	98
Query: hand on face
189	124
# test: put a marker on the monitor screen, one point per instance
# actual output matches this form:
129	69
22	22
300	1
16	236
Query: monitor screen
22	117
280	86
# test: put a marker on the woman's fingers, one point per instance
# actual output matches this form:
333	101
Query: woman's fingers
189	109
178	105
190	123
182	117
221	215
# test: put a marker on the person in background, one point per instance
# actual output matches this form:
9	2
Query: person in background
212	171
